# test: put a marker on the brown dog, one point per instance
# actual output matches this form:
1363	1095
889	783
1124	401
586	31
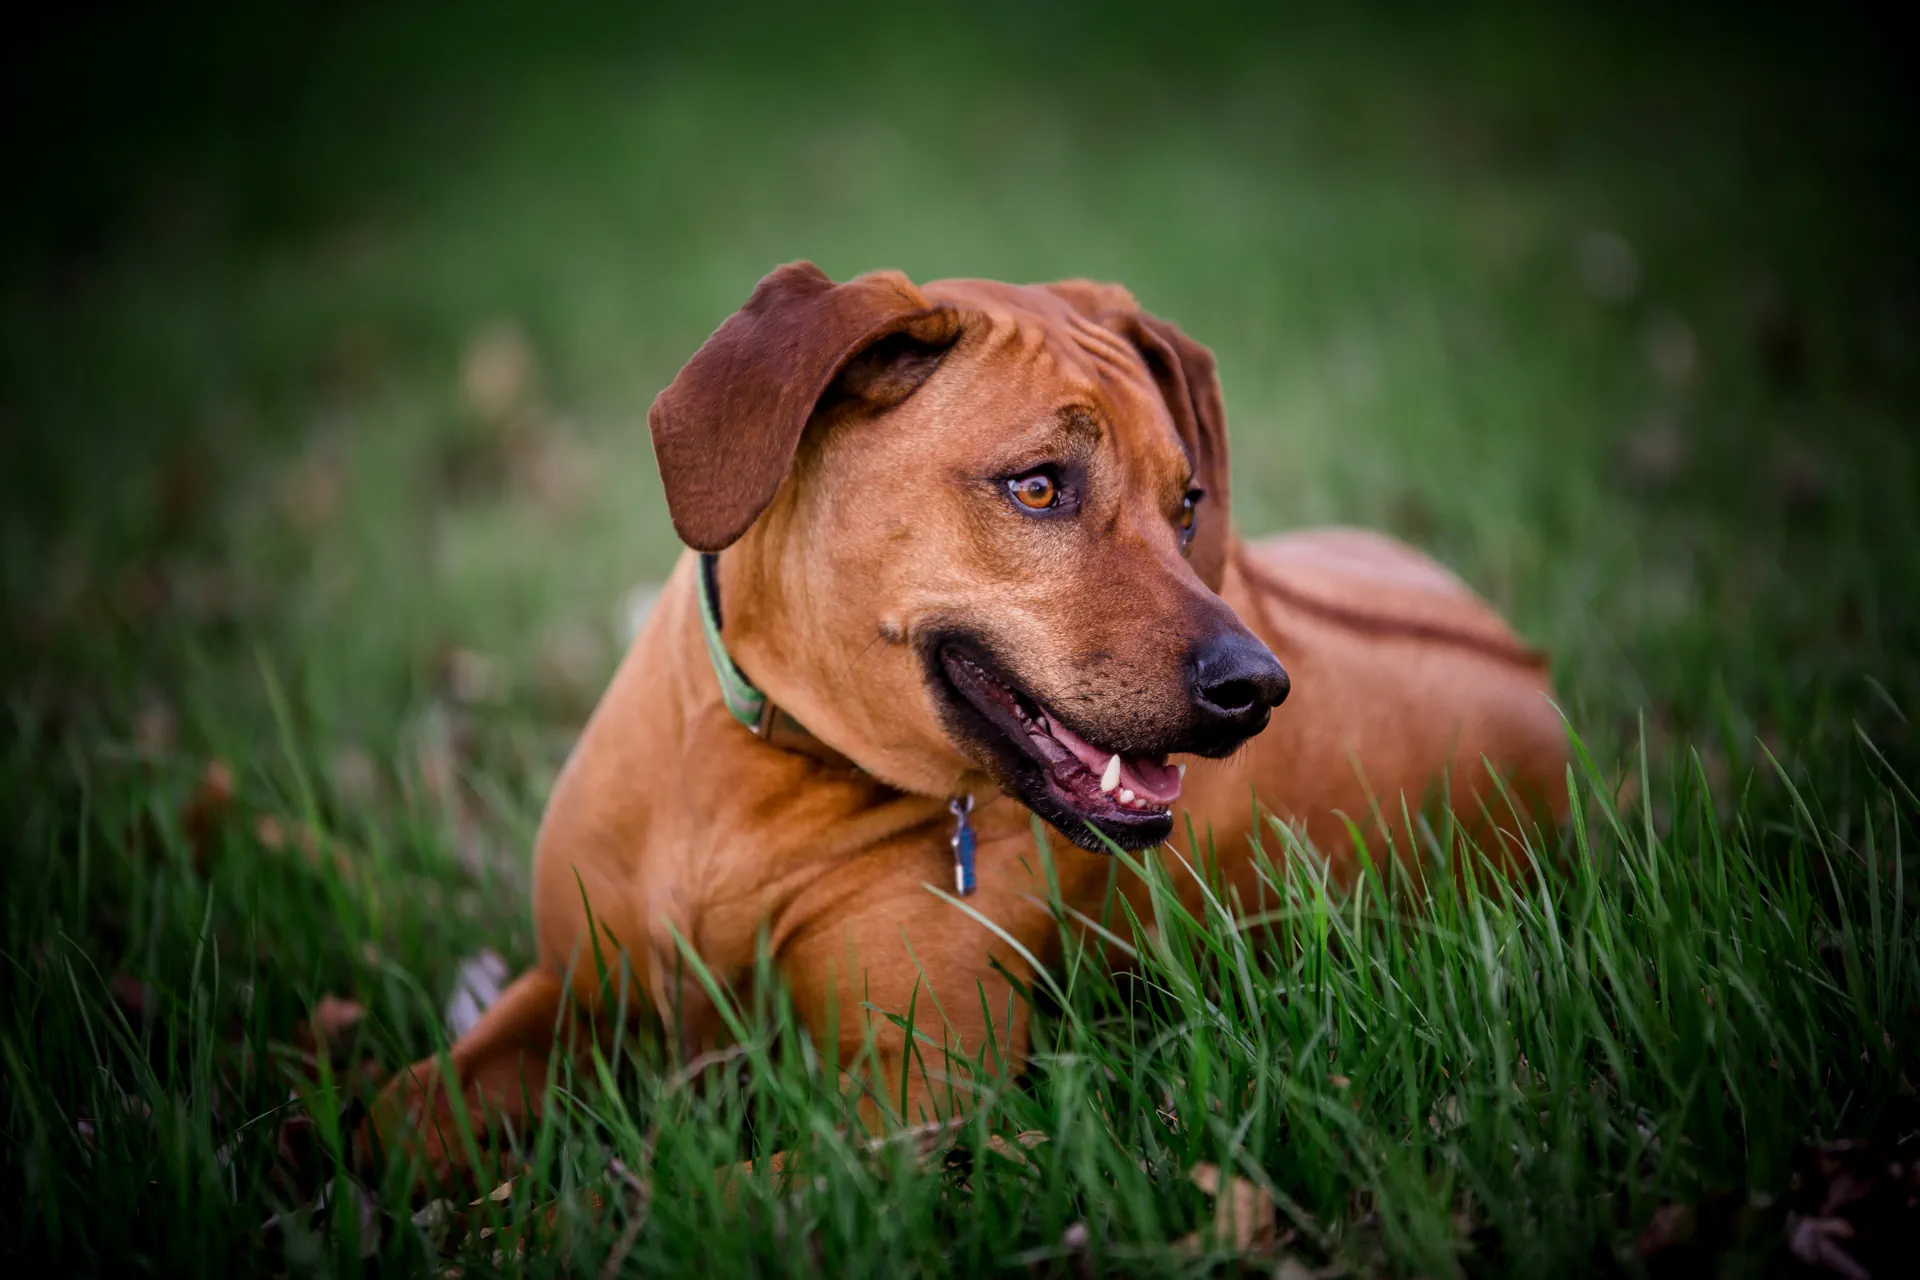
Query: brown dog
974	538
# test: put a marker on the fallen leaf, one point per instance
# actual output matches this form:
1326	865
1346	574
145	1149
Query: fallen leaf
366	1212
925	1139
326	1028
1025	1140
1815	1241
207	807
333	1016
436	1221
1243	1214
1856	1211
499	1195
1672	1226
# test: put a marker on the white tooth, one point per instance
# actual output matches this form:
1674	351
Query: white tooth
1126	795
1183	771
1111	778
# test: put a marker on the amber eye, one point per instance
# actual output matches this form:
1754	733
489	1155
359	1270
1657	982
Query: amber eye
1187	507
1035	491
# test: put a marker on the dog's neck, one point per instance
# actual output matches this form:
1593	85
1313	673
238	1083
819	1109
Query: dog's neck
744	700
760	716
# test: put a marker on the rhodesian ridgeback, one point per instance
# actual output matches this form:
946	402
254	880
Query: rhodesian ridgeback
961	554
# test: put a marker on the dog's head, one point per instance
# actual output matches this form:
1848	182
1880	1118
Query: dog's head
976	527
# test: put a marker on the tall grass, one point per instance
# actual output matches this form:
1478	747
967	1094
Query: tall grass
1463	1071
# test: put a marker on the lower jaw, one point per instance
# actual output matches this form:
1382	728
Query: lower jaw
1130	829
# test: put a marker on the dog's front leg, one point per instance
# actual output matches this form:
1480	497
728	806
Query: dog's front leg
914	997
500	1072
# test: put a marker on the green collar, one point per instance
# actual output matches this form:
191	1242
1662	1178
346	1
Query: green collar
748	705
775	727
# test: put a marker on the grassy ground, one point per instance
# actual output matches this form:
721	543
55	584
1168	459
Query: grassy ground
324	349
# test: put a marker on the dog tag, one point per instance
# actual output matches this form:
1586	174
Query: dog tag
962	844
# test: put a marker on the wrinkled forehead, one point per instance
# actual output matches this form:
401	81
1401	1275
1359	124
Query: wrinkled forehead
1034	346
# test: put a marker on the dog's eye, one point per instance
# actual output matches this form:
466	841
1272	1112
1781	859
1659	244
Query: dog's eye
1187	506
1036	490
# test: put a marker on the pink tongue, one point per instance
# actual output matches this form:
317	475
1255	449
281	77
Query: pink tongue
1147	778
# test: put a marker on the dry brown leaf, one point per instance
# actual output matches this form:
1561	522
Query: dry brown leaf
1816	1242
925	1139
1025	1140
207	807
499	1195
332	1018
1243	1214
1672	1226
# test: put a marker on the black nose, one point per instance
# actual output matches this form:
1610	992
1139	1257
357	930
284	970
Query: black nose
1236	682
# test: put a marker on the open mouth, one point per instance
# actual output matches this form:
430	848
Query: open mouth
1074	784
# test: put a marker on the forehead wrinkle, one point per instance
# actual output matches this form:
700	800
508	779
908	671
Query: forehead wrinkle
1118	363
1132	398
1103	344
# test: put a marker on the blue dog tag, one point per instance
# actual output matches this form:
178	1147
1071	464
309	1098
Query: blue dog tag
962	845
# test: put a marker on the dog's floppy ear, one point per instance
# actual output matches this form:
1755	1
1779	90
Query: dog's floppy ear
1190	384
725	430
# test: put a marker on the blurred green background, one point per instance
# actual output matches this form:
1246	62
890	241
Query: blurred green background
328	332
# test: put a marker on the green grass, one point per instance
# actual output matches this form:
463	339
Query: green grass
1617	317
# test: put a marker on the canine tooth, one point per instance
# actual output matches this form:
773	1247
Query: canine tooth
1111	778
1183	771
